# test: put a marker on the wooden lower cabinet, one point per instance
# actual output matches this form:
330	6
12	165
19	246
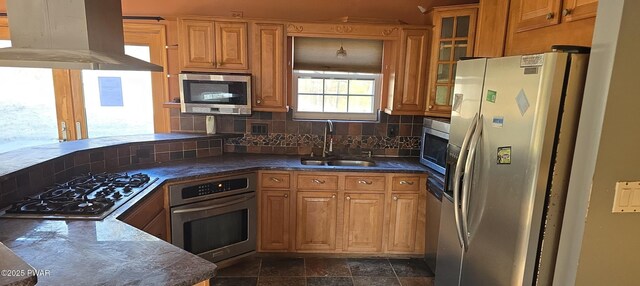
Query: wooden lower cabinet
274	221
150	215
363	222
316	220
403	222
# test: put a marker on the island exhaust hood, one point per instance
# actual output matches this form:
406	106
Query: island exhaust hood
68	34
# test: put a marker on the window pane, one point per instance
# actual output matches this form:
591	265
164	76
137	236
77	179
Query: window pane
462	28
310	102
361	104
334	103
336	86
447	28
460	50
365	87
119	102
442	92
443	73
445	51
27	107
309	85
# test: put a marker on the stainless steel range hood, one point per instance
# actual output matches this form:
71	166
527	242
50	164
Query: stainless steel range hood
68	34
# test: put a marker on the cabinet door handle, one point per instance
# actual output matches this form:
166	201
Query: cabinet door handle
333	196
364	182
550	16
348	198
430	107
566	12
286	196
258	101
406	183
276	179
318	181
395	198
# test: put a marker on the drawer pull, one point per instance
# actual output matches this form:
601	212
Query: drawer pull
276	179
318	181
410	183
364	182
395	198
348	198
333	196
286	196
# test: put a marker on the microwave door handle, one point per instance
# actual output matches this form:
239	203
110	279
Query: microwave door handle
456	178
190	210
467	180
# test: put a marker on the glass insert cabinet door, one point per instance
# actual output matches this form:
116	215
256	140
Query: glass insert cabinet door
454	33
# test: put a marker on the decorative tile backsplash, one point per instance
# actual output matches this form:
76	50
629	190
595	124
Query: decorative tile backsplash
391	136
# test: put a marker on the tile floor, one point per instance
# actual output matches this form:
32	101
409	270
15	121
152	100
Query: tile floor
286	271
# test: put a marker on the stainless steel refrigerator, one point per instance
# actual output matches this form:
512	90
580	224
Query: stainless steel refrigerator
513	127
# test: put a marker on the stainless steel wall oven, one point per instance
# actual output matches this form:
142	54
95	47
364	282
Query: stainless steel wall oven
215	219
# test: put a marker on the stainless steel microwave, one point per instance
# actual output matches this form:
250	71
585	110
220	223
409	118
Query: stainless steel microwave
215	93
435	137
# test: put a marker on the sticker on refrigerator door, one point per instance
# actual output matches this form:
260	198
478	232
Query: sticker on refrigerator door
457	102
498	121
523	102
491	96
531	60
504	155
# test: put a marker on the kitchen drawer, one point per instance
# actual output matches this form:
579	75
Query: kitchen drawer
317	182
274	180
146	210
364	183
406	183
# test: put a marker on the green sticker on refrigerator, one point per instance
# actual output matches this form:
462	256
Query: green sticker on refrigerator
491	96
504	155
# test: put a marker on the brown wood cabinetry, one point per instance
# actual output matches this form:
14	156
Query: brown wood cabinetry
407	96
403	222
274	220
568	22
208	45
342	212
268	67
274	210
454	36
316	220
150	215
363	218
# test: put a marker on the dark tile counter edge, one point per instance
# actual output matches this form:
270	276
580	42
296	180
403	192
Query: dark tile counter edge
57	150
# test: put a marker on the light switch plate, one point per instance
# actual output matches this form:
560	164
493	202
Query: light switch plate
627	197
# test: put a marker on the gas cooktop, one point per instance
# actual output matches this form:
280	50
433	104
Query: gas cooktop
90	196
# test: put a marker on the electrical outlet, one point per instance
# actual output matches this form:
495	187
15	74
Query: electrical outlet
392	131
259	129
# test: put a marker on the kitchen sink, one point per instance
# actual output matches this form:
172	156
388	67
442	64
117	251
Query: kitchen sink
337	162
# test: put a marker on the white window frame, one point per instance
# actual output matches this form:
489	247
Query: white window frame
345	116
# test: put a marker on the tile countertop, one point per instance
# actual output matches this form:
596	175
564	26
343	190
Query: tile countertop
111	252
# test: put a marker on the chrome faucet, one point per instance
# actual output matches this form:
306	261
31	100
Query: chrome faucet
328	127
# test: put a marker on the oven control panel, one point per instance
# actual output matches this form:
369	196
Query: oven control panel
214	187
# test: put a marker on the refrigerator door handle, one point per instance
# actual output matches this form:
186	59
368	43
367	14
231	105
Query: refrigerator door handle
456	179
466	182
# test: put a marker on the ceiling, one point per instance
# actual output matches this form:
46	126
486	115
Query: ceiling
302	10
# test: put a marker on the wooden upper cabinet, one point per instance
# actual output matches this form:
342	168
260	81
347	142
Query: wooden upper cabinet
231	45
573	10
538	13
268	67
208	45
363	218
196	43
410	83
316	221
454	36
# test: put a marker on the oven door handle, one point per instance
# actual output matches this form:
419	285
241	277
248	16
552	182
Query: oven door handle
244	199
